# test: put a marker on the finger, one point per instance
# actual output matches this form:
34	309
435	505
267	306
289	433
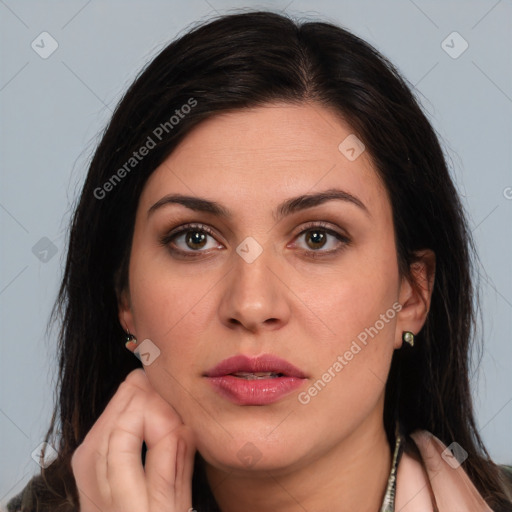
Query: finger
162	429
184	469
146	417
89	496
132	385
113	438
87	465
125	473
169	465
89	461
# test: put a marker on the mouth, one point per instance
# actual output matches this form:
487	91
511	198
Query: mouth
254	381
266	366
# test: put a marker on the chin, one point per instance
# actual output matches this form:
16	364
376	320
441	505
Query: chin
248	450
248	460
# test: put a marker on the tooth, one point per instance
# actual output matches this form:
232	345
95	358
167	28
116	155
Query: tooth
255	375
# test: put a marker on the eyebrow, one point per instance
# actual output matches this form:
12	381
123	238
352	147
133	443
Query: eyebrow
288	207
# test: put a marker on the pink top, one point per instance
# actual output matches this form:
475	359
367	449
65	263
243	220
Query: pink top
443	487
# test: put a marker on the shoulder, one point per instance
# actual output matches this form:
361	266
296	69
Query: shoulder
24	500
506	472
454	485
39	496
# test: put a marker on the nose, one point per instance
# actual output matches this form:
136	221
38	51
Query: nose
254	297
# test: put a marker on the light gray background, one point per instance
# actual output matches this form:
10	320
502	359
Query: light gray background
53	109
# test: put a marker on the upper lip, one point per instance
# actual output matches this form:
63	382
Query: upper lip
262	363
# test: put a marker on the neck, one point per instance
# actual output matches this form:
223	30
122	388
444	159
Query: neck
351	476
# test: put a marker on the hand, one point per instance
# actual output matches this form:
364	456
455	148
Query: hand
108	467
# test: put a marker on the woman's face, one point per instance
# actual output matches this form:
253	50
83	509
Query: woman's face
269	266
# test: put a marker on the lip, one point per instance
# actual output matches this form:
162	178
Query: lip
262	391
263	363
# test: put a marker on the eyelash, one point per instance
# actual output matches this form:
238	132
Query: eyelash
321	226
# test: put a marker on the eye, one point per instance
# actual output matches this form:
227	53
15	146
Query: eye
189	239
318	238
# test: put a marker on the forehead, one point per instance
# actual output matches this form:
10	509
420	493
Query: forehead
264	154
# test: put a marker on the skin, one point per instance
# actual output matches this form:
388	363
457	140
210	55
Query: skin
199	311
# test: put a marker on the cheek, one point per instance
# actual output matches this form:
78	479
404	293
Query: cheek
173	310
166	300
172	315
168	317
355	296
351	369
359	309
363	340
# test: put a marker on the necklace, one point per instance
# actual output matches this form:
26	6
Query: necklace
388	504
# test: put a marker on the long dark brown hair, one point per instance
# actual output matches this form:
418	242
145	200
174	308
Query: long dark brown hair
230	63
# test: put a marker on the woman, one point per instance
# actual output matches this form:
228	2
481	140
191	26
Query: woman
270	220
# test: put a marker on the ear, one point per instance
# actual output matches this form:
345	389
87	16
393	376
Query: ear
125	311
416	294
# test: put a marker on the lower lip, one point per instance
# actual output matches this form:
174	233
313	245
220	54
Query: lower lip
255	391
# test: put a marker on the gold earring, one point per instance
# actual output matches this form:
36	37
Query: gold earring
408	337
